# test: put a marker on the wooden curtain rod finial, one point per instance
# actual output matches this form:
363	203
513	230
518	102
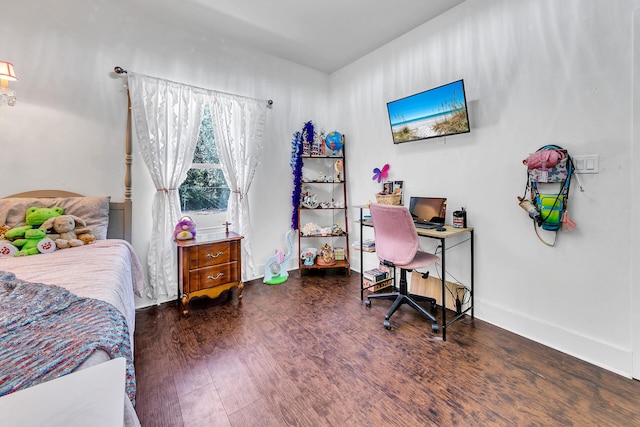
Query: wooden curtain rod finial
119	70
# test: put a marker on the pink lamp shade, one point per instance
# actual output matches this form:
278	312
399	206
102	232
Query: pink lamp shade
7	72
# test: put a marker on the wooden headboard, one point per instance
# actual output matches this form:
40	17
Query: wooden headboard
119	212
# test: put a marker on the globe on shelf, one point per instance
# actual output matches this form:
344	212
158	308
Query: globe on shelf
334	141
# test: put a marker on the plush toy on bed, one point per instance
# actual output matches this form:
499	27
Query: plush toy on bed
3	231
87	238
66	230
25	242
6	248
35	242
34	217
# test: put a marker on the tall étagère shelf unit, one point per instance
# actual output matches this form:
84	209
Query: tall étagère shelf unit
319	177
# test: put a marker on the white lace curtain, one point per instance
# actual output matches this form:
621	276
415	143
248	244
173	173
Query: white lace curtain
167	117
238	123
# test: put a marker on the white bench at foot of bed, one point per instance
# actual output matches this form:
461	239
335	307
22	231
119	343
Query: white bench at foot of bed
90	397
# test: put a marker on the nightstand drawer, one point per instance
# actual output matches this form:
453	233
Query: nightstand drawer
211	254
210	277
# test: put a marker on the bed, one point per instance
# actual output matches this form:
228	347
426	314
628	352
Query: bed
107	273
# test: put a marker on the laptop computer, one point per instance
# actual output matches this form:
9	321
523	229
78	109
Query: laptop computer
428	212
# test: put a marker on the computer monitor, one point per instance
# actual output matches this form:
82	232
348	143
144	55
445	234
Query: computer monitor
428	209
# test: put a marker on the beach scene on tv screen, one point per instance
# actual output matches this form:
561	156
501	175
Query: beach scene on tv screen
438	112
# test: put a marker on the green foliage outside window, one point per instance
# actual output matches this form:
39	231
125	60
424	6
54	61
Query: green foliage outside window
205	189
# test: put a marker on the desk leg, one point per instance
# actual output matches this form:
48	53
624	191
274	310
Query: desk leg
361	260
444	296
472	275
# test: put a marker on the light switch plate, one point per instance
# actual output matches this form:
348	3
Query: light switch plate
587	163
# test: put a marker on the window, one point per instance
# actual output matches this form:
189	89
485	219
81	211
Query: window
205	190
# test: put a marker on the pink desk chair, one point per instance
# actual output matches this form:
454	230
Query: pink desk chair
397	246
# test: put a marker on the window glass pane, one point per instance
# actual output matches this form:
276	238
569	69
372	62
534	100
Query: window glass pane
204	190
206	151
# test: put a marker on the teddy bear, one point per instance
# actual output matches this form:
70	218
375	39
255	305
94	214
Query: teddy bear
87	238
66	231
3	230
34	217
35	241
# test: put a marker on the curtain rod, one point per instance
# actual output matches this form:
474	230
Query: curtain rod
120	70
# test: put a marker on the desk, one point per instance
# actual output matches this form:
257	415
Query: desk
450	231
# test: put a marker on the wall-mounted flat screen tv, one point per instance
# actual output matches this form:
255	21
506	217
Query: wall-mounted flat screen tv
437	112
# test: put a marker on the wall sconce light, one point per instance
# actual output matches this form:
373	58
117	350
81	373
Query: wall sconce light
7	74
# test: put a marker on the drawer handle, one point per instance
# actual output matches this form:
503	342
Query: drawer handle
216	255
219	275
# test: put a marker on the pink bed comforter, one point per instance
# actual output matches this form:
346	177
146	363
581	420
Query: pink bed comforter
108	270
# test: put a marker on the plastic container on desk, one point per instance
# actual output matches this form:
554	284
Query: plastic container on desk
460	219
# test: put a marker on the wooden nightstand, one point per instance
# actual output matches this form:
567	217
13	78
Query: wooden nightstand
209	265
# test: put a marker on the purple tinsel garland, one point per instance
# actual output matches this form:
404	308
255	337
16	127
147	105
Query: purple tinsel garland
308	133
296	165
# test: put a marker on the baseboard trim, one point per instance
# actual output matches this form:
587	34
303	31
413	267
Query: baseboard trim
588	349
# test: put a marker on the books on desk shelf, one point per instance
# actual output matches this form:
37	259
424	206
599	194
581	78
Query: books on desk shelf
384	268
375	275
368	245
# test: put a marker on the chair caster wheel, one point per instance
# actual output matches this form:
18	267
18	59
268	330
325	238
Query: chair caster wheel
367	303
387	324
435	328
433	306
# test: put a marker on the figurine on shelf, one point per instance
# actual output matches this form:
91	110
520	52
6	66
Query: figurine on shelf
325	231
310	229
308	199
338	168
336	229
308	256
326	256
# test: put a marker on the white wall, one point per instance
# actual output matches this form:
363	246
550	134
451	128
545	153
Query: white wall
68	129
536	72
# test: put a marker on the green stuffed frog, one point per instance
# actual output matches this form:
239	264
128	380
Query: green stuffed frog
34	218
33	241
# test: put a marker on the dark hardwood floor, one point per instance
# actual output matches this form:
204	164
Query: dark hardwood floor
309	353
